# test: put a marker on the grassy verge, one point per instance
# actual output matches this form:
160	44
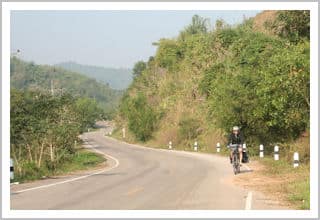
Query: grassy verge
83	159
295	182
154	143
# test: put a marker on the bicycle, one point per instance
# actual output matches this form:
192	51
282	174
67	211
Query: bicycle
235	158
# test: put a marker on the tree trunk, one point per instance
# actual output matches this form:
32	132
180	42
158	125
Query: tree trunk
35	155
51	152
29	150
40	156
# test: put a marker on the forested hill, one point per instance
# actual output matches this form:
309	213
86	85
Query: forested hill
44	78
204	81
116	78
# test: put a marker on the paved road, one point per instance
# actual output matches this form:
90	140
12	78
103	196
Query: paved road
141	178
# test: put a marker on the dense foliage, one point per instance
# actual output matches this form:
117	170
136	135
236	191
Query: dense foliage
232	75
44	78
293	25
44	128
138	68
141	117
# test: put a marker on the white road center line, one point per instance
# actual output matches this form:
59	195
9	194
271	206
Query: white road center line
248	201
77	178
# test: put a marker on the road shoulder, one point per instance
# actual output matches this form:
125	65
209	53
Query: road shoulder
264	187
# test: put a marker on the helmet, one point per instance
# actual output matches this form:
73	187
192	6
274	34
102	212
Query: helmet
235	128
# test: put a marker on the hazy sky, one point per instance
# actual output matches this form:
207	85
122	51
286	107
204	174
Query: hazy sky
103	38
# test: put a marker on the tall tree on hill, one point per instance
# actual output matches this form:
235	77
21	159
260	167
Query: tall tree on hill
138	68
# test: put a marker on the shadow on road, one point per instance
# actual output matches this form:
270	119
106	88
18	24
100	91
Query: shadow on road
246	171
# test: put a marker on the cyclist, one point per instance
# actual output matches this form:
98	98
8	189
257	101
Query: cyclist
236	138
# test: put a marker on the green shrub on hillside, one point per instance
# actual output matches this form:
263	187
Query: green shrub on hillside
142	119
168	54
138	68
293	25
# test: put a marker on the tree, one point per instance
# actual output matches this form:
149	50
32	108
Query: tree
138	68
87	111
199	25
293	24
141	117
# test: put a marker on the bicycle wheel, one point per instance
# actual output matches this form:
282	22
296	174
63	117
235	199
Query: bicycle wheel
238	166
238	163
234	163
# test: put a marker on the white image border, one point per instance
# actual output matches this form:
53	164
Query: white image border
7	7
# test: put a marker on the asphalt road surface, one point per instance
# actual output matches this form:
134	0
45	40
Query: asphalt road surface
141	178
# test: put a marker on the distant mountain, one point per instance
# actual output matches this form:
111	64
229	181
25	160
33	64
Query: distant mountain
116	78
45	78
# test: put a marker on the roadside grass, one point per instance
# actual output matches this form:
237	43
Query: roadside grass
83	159
300	193
295	182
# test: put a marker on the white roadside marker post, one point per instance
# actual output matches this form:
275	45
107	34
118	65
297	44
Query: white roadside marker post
218	147
295	159
276	152
261	151
75	143
11	169
123	133
170	145
195	147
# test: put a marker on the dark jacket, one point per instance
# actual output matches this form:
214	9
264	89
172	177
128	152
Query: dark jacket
236	139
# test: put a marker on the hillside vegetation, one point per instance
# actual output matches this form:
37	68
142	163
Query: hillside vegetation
201	83
115	78
48	79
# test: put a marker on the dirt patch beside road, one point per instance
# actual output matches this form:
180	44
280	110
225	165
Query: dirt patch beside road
271	186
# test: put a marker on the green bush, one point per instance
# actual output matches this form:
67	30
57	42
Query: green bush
142	119
293	25
168	54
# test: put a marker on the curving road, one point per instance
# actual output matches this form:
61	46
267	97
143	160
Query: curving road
141	178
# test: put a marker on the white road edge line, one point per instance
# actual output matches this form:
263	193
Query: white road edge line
248	201
117	163
249	196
